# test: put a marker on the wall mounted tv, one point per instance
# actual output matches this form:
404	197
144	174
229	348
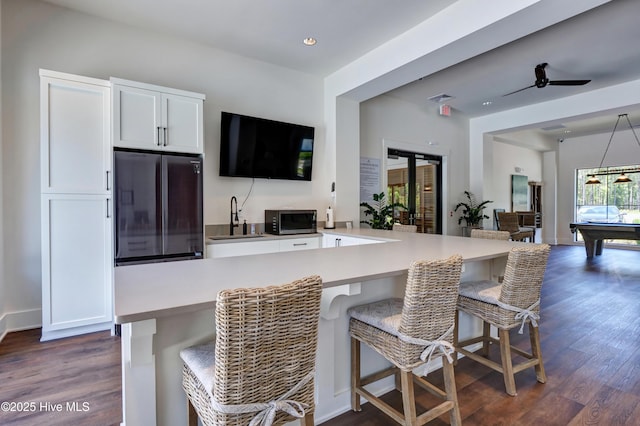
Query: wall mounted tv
260	148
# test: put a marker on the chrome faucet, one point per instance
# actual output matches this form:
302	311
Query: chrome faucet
235	221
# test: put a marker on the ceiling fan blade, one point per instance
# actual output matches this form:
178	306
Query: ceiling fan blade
519	90
568	82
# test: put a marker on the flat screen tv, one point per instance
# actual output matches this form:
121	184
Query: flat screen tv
260	148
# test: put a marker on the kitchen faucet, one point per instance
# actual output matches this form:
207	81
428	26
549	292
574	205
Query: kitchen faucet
235	221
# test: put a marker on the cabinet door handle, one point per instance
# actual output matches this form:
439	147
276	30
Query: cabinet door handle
158	136
108	214
165	136
299	244
108	188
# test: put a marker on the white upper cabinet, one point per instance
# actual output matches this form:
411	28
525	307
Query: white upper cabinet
76	153
157	118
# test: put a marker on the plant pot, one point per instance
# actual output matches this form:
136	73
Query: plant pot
466	230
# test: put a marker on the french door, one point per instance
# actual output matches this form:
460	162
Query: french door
415	180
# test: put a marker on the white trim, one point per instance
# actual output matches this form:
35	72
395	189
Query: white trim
3	327
74	78
75	331
20	320
155	88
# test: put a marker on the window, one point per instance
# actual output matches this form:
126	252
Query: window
608	202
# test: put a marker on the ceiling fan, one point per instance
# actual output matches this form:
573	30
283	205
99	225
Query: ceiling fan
543	81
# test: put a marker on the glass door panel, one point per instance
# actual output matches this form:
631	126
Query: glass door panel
414	180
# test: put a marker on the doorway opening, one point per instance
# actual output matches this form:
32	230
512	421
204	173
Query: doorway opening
415	181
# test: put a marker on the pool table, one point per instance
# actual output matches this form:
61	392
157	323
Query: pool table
594	234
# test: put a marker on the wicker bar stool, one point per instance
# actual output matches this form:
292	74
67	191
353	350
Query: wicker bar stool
511	304
410	332
405	228
490	235
262	364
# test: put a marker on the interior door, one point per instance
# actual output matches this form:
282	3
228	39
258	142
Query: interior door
415	180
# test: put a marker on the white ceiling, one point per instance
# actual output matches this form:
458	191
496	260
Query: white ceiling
601	45
273	30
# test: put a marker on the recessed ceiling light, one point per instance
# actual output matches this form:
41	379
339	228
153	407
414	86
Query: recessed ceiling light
310	41
486	103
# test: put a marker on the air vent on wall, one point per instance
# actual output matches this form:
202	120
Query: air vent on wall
440	98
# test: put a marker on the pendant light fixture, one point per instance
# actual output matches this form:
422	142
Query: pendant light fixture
622	178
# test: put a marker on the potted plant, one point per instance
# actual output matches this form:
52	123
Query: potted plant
381	213
472	211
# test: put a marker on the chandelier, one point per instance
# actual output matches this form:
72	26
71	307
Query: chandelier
622	178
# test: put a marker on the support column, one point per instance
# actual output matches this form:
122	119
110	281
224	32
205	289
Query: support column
138	374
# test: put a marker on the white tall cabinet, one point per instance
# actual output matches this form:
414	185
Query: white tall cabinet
152	117
76	204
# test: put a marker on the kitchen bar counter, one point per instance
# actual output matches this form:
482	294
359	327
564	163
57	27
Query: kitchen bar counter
162	289
165	307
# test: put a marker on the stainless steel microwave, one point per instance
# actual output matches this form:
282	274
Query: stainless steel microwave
287	222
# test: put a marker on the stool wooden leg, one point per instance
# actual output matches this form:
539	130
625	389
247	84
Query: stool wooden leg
192	414
408	399
486	333
307	420
507	364
536	352
456	321
450	389
355	374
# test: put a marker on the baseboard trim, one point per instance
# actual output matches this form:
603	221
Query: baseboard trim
18	321
3	327
75	331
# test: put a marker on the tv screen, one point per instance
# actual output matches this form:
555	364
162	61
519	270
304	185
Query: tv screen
256	147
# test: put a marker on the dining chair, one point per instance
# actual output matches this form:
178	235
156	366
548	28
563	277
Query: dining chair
404	228
508	221
261	367
496	221
506	306
488	234
409	333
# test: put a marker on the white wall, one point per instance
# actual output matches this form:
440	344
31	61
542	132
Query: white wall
38	35
557	216
506	158
420	129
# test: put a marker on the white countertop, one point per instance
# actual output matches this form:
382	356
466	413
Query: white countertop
162	289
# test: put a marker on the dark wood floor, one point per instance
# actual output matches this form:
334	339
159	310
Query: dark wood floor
82	374
590	332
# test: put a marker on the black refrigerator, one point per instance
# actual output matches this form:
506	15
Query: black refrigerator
158	207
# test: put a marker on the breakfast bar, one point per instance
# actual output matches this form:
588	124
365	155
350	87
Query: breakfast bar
165	307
